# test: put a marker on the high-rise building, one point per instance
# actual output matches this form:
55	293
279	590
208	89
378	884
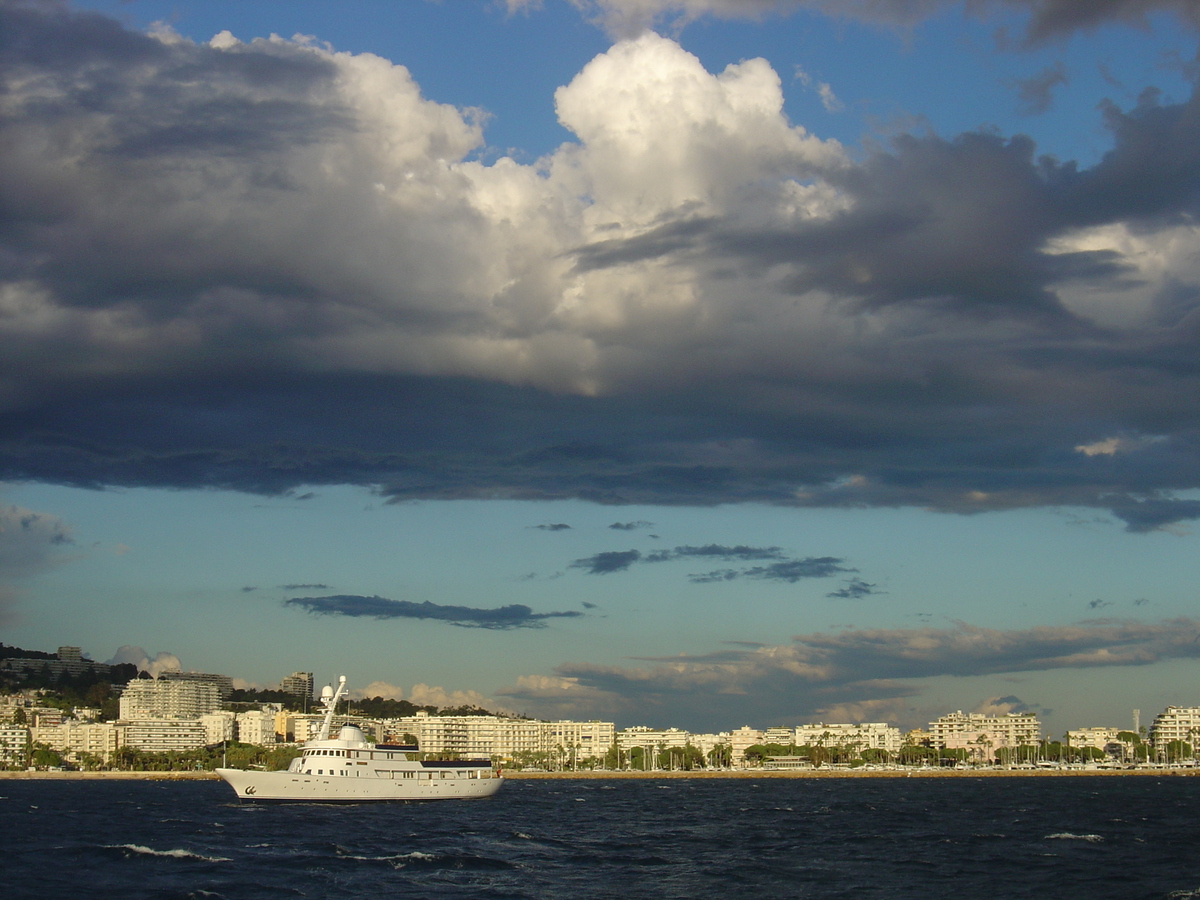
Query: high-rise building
145	698
1176	723
223	683
299	684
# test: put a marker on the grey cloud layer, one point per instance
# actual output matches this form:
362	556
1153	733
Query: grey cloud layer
266	265
1047	18
783	569
515	615
863	670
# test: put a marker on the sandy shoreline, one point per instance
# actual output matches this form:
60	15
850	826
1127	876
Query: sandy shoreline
743	775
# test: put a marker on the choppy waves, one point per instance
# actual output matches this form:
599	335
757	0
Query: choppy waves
139	850
691	840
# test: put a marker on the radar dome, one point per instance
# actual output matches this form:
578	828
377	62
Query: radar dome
352	734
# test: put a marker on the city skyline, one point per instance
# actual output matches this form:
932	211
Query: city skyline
696	357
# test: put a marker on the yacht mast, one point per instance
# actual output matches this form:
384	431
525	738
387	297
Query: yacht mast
330	699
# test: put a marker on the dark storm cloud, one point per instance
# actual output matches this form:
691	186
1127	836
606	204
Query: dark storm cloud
1055	18
555	526
630	526
207	262
515	615
304	587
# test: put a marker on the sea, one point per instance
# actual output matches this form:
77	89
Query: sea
928	838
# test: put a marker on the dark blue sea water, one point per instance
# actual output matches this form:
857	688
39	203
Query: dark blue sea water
922	838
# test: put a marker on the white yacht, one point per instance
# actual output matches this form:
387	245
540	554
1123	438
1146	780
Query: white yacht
349	768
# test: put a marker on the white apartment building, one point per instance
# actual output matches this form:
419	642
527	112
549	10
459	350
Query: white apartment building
502	738
145	698
13	741
1102	738
859	736
983	734
780	734
739	740
513	736
44	717
302	727
1176	723
580	740
72	737
706	743
651	739
164	735
256	726
218	726
223	683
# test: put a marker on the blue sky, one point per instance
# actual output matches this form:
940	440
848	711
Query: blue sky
679	362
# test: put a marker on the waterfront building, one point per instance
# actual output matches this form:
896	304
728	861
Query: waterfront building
256	726
786	763
14	742
982	735
218	726
917	737
163	698
1101	738
1176	723
707	743
503	738
739	741
72	738
780	734
651	742
516	738
578	741
164	735
860	736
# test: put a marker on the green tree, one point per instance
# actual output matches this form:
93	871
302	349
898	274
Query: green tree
43	757
1177	750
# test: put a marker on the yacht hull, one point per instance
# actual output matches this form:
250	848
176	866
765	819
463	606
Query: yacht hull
297	786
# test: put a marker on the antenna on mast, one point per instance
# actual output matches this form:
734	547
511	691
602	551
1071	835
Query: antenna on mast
330	698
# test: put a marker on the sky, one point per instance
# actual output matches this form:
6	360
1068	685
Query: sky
693	363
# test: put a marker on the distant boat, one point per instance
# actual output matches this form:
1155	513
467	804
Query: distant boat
349	768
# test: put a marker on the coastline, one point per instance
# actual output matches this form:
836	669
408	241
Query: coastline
741	775
858	773
110	776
